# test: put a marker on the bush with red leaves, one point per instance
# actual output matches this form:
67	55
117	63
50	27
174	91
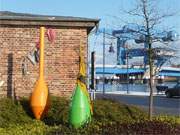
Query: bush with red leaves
142	128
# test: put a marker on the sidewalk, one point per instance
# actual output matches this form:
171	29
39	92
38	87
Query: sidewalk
135	93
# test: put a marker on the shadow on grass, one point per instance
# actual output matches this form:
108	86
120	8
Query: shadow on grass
57	113
26	106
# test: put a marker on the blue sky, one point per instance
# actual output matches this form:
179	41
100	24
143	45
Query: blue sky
102	9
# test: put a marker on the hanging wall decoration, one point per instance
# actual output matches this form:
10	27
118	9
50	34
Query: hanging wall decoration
51	34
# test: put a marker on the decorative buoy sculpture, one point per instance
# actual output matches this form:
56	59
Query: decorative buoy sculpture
80	106
39	100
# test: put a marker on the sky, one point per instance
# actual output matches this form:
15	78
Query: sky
100	9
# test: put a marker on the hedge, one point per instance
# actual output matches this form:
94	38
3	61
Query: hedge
109	117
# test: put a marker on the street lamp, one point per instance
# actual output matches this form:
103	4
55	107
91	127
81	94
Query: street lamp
111	50
127	63
103	61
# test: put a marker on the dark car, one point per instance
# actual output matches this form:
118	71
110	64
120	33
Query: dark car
161	88
175	91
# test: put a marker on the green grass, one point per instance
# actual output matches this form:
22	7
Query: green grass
109	117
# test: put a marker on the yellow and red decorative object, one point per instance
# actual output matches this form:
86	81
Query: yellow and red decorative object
39	100
80	106
51	35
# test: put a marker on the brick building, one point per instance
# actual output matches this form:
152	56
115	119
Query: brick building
18	36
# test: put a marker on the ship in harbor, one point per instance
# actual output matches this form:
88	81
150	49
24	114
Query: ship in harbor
132	65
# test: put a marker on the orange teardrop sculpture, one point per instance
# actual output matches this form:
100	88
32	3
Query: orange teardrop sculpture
39	100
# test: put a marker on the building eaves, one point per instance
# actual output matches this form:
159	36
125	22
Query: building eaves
11	18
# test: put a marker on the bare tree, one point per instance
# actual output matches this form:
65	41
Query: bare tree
148	16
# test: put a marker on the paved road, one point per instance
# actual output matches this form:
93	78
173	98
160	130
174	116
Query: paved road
162	105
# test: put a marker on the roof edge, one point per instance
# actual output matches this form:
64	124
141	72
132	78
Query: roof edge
12	18
7	15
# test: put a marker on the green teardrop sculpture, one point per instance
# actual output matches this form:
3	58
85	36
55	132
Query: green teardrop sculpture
80	112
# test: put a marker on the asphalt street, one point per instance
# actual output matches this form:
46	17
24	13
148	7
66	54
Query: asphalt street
162	105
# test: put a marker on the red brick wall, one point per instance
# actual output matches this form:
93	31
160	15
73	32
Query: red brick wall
61	59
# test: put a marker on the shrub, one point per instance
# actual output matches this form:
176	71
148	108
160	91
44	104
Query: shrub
115	128
12	112
109	117
104	111
111	111
141	128
58	112
168	119
33	128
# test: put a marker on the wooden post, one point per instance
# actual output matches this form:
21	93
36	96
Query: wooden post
93	70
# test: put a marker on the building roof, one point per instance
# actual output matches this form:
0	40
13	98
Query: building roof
170	74
109	70
12	18
115	70
26	16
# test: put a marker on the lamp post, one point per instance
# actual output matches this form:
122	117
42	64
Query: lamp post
103	61
127	63
111	50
